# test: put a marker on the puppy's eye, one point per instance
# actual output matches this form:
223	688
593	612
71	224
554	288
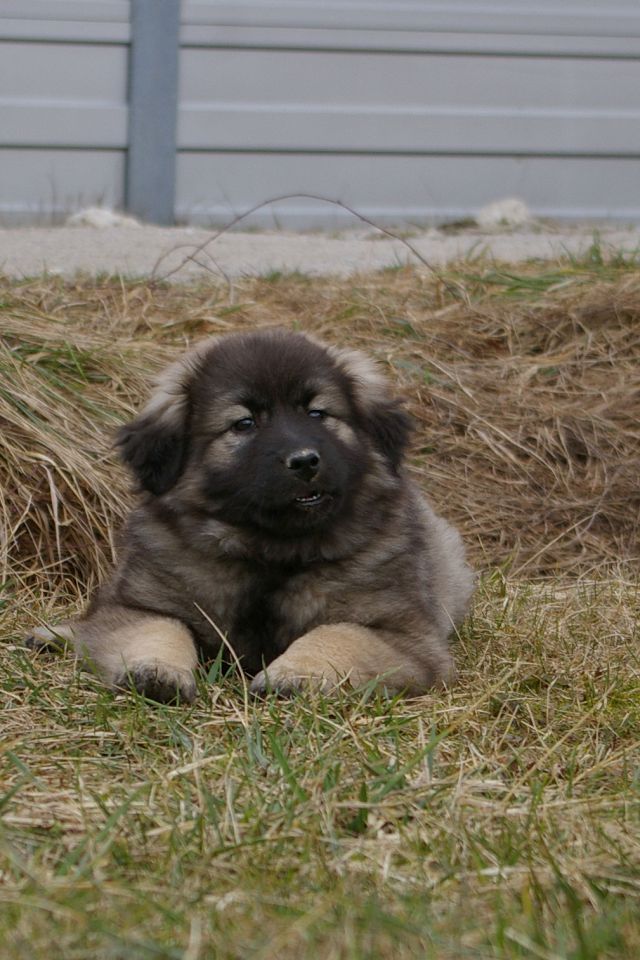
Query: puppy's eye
241	426
317	414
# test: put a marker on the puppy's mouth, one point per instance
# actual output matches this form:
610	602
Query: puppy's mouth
314	498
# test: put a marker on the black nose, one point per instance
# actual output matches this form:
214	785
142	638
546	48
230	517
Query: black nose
304	463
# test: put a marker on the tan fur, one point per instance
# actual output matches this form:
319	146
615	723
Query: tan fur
330	655
51	638
342	430
125	648
169	398
139	646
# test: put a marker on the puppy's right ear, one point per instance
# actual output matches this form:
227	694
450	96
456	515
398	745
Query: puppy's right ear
155	444
154	448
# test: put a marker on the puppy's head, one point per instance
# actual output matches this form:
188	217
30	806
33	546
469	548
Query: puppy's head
268	430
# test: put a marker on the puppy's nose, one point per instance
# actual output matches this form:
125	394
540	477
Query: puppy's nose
304	463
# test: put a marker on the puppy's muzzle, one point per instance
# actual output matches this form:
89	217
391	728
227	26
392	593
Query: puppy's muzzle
304	463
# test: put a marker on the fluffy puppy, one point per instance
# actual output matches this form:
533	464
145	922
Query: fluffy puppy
275	513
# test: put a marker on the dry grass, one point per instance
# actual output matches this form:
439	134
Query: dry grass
499	819
526	393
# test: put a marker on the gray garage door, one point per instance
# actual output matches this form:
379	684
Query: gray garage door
408	111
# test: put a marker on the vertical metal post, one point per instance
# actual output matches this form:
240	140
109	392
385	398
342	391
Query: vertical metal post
153	108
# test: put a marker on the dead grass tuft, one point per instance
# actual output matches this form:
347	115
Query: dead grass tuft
525	390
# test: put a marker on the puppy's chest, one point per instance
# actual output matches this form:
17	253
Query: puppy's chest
271	608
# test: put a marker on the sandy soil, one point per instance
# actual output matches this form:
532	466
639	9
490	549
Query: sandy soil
142	250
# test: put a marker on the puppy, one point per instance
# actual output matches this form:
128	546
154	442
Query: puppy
276	520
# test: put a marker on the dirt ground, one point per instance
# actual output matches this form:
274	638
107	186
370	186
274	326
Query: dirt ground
144	250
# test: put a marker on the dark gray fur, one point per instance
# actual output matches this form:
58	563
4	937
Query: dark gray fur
220	535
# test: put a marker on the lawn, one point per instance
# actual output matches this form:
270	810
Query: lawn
497	819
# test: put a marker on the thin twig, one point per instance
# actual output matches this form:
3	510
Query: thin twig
453	290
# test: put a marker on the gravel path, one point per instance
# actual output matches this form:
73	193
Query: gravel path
136	250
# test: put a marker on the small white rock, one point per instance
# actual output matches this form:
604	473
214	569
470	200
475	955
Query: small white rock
100	217
510	212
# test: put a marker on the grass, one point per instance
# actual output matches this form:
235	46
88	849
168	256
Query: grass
497	819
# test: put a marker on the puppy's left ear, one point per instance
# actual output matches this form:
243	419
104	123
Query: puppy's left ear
383	417
390	426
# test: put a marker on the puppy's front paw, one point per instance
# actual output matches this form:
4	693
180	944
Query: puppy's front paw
158	681
49	638
288	679
332	655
